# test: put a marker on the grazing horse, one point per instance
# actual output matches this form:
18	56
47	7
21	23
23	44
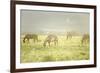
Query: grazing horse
49	39
30	36
69	36
85	39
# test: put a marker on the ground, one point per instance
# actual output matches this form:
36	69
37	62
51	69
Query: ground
66	50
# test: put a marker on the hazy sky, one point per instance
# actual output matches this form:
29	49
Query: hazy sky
47	21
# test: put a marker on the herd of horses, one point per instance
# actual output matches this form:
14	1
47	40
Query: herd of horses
53	38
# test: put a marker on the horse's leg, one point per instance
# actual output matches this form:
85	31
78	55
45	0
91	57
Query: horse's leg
33	40
24	40
70	37
56	42
67	38
28	40
36	39
49	44
44	44
82	42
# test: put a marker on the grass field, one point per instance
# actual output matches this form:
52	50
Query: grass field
66	50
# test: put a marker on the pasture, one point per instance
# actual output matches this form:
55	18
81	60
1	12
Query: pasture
70	49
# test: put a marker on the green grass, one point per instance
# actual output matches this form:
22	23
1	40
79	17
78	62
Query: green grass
65	50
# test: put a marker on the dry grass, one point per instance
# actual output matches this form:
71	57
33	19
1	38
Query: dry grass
65	50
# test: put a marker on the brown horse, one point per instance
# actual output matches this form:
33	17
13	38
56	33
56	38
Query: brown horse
49	39
85	39
30	36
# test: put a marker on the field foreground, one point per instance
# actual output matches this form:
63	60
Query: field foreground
66	50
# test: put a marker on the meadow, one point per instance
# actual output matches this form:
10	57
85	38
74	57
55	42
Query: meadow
66	50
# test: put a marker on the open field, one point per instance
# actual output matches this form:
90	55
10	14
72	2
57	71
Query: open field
66	50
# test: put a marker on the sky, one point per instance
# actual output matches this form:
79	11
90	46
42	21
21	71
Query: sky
32	21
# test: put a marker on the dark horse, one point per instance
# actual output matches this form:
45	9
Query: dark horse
30	36
68	36
85	39
49	39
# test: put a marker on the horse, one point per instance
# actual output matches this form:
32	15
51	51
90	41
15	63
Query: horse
49	39
85	39
69	36
30	36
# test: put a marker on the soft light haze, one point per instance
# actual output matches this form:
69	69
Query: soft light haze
33	21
